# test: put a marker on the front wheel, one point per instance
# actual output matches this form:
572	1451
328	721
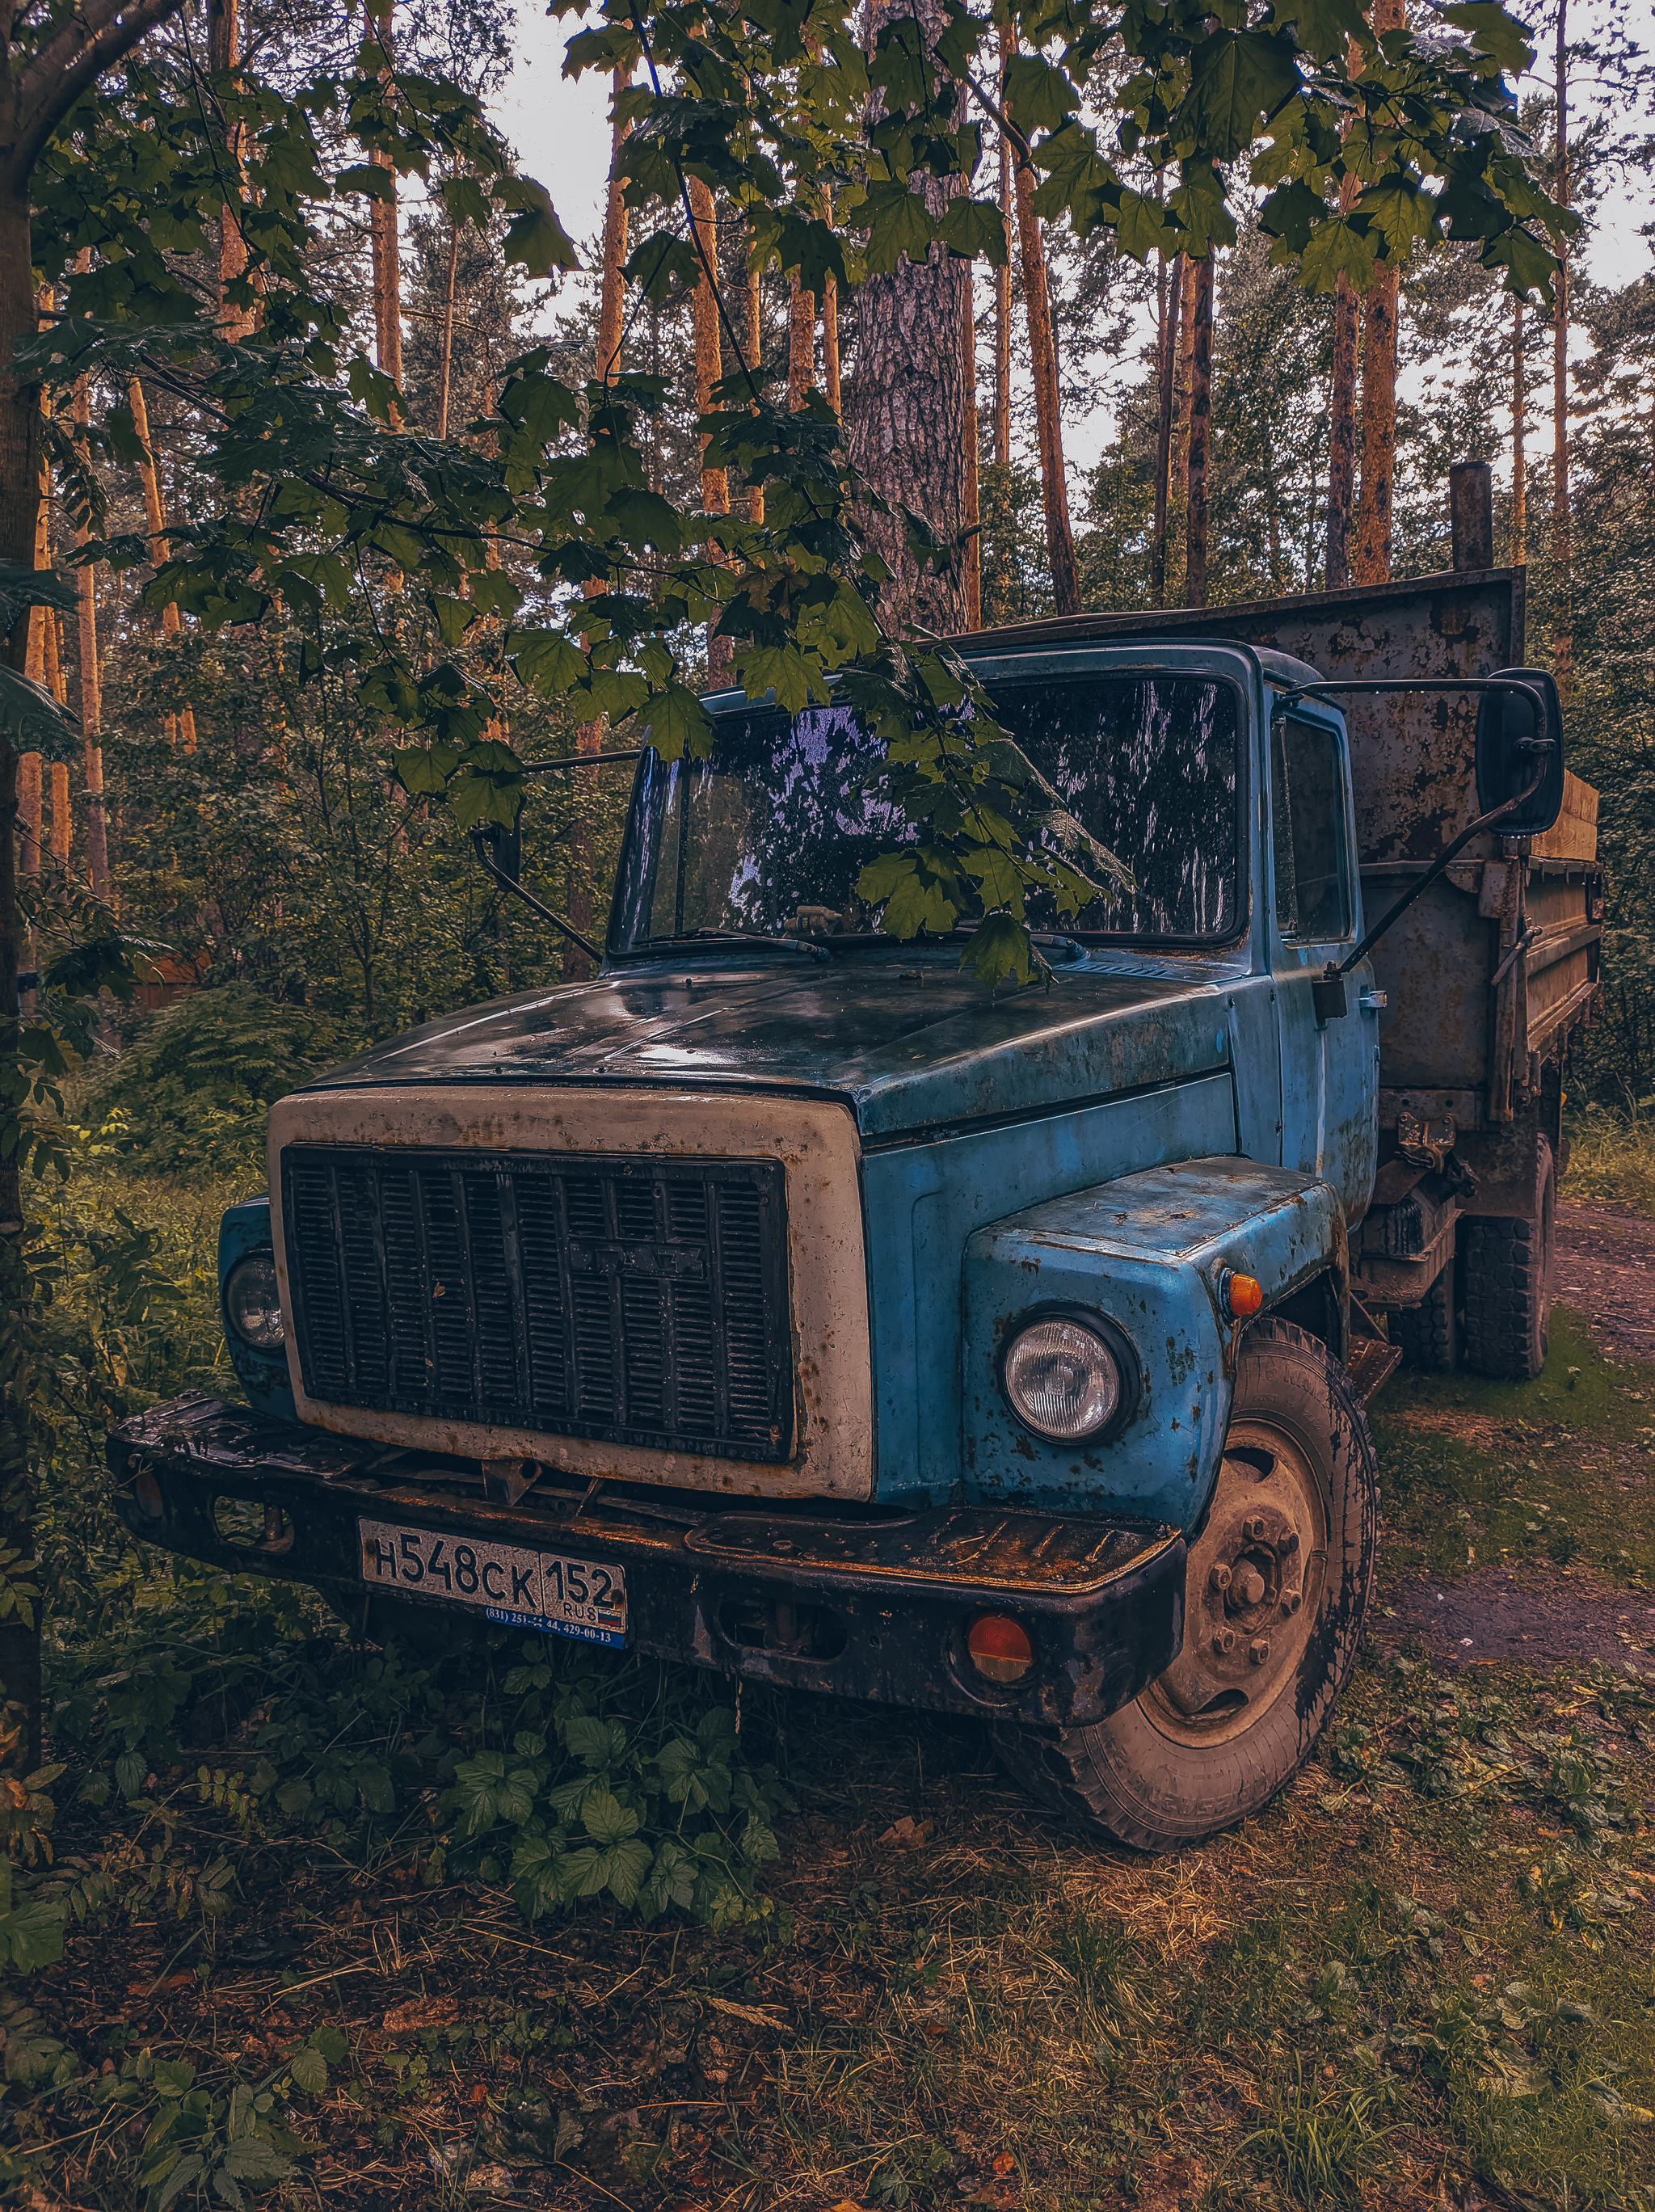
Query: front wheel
1276	1590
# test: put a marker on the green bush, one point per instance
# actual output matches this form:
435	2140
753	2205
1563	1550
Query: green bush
191	1091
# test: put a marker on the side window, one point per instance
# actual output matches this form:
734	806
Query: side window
1308	825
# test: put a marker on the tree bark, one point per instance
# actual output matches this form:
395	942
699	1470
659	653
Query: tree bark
1180	473
606	364
1171	292
1519	533
382	230
1562	625
30	826
1048	415
1376	499
830	322
183	724
1003	292
801	341
89	704
446	376
715	483
907	430
1341	398
236	320
93	37
1201	382
974	501
1376	496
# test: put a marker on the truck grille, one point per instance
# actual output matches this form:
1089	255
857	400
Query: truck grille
640	1301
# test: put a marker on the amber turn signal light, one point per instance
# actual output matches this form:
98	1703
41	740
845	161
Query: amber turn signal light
999	1647
1244	1297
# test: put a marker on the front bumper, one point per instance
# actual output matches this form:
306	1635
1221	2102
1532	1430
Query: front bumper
852	1602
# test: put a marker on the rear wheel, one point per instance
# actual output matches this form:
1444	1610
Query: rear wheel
1508	1284
1276	1589
1429	1332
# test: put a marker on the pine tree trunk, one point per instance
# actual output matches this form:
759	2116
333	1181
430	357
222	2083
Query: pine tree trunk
1519	532
830	323
715	483
801	341
1178	476
1376	499
223	53
754	337
907	431
447	374
384	231
1342	400
1048	415
1341	437
20	495
973	499
159	551
1562	625
1201	381
1376	496
89	705
1003	289
31	825
1171	292
606	364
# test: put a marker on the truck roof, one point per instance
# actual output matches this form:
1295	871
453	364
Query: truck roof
1111	630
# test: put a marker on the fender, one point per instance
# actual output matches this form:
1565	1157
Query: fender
1149	1252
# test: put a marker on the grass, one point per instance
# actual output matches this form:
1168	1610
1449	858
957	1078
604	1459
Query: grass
1612	1155
1556	1472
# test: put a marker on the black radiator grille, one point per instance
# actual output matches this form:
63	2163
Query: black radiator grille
640	1301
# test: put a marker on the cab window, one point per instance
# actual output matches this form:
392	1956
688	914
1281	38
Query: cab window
1309	832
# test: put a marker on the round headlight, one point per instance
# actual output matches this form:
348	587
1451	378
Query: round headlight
253	1302
1062	1379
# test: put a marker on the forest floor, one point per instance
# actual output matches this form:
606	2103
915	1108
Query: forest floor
1424	1977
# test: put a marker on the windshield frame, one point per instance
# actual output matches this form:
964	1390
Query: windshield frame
1033	666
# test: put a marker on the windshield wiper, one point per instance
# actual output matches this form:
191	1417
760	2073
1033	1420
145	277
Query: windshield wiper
744	937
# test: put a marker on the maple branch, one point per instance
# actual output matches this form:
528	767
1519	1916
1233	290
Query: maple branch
98	34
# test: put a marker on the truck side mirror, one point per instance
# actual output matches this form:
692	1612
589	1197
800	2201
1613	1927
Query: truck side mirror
1511	746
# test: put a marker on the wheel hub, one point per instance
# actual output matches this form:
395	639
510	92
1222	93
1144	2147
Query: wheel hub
1254	1576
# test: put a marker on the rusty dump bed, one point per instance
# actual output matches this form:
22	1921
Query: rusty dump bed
1495	968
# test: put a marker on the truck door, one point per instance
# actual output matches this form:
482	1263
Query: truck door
1328	1068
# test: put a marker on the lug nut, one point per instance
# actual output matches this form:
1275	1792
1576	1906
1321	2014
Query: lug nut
1224	1642
1258	1650
1250	1585
1220	1579
1253	1529
1291	1601
1289	1543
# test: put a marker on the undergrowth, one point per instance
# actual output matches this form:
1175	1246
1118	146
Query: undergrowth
1612	1155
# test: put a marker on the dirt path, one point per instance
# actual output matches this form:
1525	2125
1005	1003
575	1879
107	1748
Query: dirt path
1525	1619
1606	1270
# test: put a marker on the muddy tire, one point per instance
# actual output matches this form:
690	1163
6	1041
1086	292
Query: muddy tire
1429	1332
1277	1587
1508	1284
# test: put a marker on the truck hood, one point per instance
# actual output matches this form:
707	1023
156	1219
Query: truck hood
908	1047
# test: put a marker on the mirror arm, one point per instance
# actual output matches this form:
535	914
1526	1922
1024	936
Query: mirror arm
1443	861
478	840
1541	744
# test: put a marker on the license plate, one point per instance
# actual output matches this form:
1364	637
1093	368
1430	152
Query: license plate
544	1590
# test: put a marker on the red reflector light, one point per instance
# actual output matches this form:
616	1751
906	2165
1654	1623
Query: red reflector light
1000	1648
1244	1297
147	1492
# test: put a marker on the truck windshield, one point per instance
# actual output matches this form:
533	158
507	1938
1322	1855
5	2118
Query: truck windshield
767	836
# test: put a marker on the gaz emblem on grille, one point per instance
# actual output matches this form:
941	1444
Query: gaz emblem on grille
685	1263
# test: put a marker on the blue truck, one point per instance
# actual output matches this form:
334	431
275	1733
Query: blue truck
780	1300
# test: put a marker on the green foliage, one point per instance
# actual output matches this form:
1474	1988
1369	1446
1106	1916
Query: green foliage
190	1092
